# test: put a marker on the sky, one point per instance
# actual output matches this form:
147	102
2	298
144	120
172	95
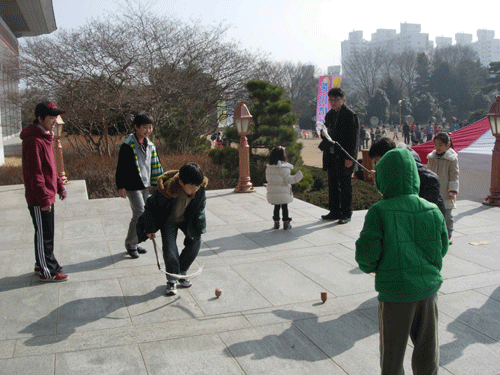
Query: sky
306	31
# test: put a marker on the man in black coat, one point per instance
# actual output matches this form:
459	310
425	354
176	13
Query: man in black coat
343	127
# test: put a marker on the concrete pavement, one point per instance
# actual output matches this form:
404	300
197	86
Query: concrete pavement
112	317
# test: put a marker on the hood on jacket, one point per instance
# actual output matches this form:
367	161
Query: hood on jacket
33	130
396	174
450	154
280	164
168	185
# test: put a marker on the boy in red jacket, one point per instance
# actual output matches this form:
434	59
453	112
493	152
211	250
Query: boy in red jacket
42	182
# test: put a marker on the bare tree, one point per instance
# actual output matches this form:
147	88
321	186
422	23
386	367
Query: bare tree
404	69
363	69
106	71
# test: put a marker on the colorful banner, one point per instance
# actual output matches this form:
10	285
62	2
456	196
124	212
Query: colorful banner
222	115
325	84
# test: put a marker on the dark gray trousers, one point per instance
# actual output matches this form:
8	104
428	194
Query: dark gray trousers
417	320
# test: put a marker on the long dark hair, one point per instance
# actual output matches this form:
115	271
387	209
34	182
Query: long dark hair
445	138
277	154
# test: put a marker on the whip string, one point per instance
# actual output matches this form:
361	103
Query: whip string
191	276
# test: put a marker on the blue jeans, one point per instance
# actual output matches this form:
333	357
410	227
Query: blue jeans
175	263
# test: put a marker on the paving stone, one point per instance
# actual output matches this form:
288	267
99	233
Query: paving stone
90	305
269	319
28	310
28	365
116	360
7	348
147	303
282	348
237	294
464	350
325	270
189	355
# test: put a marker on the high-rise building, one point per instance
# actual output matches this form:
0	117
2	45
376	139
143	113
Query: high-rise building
411	38
443	42
487	47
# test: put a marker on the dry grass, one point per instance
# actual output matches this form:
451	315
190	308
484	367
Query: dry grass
99	171
99	174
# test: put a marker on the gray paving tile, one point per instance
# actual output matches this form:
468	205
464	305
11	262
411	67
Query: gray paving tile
128	335
28	310
271	283
350	339
231	243
189	355
333	274
278	282
464	350
237	294
90	305
7	348
28	365
82	229
280	349
468	282
454	266
304	310
475	310
116	360
146	301
85	256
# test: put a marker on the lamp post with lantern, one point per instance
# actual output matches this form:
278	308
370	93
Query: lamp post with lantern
242	118
494	116
58	152
400	102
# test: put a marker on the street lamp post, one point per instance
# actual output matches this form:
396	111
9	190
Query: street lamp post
400	102
58	152
242	118
494	116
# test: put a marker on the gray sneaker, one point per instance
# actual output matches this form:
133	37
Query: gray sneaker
171	289
185	283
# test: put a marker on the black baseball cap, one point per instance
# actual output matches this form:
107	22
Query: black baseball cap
48	109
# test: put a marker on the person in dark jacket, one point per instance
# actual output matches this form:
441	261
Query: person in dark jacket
406	133
343	127
403	241
138	168
178	203
42	182
429	181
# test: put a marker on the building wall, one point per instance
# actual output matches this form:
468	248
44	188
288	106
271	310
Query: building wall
10	113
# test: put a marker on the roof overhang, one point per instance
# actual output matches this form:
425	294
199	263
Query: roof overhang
28	17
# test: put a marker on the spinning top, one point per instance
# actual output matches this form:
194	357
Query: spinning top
218	292
324	296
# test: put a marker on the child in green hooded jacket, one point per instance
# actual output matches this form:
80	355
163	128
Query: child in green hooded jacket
403	241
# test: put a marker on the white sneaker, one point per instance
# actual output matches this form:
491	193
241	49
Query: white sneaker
186	283
171	289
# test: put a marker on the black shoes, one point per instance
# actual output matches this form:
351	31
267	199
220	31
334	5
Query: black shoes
331	216
134	253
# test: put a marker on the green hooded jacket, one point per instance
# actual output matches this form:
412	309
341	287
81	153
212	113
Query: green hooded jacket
404	237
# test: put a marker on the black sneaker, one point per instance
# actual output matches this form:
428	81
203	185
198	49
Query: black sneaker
171	289
141	250
344	220
185	283
133	253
